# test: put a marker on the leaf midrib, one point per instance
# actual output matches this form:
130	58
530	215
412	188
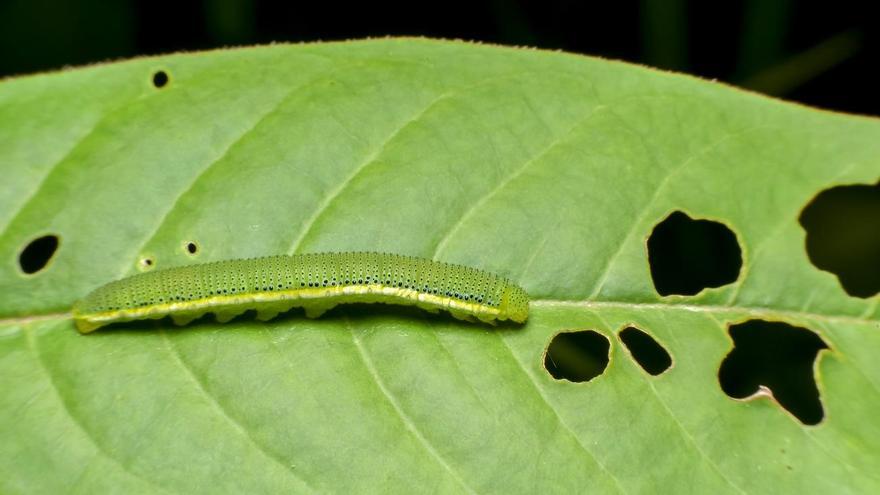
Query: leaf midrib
753	311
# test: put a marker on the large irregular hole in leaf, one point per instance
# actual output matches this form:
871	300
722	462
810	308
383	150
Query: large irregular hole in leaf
688	255
577	356
37	253
843	236
775	356
646	351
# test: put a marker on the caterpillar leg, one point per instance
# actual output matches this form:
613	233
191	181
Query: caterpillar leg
487	319
430	308
267	314
183	318
224	316
461	316
316	310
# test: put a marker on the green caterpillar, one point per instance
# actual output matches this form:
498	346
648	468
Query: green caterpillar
316	282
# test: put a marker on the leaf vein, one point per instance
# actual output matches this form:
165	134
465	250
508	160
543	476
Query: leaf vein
52	169
559	421
658	191
685	433
754	311
31	341
475	206
240	138
776	230
329	198
808	433
222	412
407	422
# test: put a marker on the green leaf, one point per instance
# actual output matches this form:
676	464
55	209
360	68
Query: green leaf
549	168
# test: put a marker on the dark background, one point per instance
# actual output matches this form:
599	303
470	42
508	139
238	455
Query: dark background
819	53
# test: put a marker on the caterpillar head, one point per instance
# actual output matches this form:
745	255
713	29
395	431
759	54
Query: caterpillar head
514	304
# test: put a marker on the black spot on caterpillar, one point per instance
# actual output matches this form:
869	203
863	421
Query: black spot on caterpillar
316	282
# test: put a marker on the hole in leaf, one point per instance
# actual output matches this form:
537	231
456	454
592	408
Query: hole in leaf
146	263
191	247
777	357
36	255
577	356
646	351
687	255
160	79
843	236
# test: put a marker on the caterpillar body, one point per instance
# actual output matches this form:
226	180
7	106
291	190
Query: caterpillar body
316	282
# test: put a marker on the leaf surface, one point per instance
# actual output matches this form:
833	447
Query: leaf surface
549	168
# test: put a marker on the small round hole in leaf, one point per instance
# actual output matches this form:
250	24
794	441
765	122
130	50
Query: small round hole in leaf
687	255
577	356
160	79
843	236
646	351
37	253
774	358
